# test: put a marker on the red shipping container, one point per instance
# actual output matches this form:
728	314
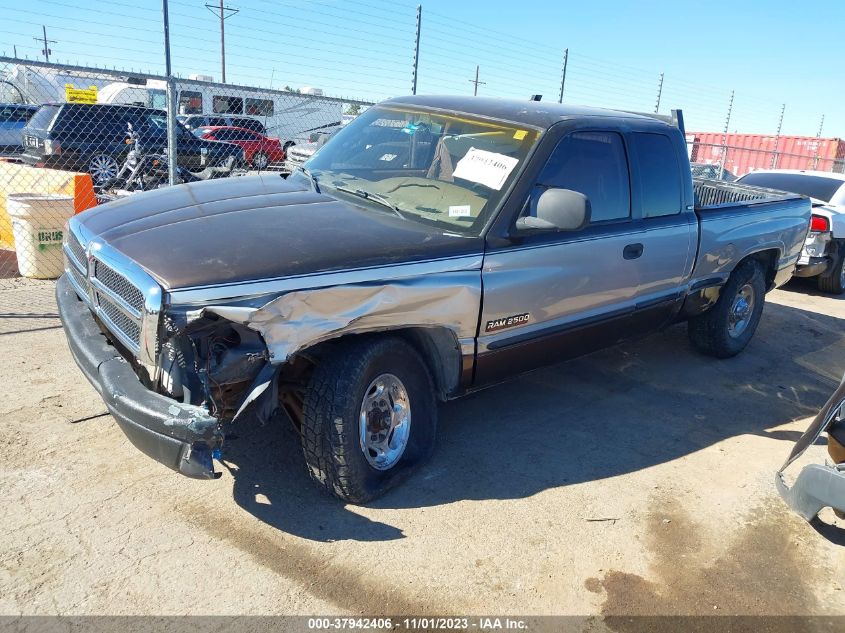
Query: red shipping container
748	152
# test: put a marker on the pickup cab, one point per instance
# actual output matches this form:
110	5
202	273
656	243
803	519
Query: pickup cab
434	246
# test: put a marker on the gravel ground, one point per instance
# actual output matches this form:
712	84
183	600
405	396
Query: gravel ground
636	480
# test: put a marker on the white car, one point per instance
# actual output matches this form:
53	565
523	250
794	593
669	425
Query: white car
824	250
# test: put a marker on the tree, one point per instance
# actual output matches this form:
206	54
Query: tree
354	109
289	89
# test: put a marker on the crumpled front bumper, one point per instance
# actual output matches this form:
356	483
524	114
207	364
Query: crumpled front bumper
817	485
180	436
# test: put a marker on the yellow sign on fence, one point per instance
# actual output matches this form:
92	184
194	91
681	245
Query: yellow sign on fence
80	95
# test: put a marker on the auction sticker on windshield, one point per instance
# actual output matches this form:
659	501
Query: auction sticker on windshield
486	168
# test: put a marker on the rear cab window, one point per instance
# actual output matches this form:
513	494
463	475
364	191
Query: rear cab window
659	174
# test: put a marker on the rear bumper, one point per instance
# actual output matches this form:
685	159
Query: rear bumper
180	436
814	266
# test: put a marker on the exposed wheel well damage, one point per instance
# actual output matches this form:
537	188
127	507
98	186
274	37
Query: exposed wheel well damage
768	260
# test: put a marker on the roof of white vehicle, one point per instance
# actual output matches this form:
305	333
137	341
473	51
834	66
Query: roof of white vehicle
807	172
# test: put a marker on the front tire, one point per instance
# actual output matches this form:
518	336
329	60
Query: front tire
369	418
833	282
726	328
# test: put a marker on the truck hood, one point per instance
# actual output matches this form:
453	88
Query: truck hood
259	227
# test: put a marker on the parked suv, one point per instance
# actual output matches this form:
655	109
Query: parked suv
195	121
13	117
92	138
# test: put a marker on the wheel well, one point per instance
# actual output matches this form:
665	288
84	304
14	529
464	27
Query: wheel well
437	346
768	259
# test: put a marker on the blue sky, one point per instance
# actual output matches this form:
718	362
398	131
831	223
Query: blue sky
770	52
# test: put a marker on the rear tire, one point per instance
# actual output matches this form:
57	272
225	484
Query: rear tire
834	281
336	431
260	160
725	329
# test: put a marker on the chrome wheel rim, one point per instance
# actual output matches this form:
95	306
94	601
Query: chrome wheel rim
384	422
260	161
102	168
741	310
842	274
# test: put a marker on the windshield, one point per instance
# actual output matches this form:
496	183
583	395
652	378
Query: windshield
817	187
440	169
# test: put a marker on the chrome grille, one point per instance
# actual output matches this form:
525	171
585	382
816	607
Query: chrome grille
119	285
78	278
126	325
120	293
77	251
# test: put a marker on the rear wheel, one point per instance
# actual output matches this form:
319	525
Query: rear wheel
725	329
833	282
260	160
103	169
369	418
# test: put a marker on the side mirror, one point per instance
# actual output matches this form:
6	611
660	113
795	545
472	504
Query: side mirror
557	210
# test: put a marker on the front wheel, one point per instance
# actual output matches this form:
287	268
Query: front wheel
369	418
833	282
726	328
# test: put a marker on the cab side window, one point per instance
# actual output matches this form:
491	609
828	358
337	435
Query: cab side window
659	174
592	163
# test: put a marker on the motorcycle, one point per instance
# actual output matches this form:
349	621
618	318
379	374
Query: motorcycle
142	171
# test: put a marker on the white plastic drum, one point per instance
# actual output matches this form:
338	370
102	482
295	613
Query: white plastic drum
38	222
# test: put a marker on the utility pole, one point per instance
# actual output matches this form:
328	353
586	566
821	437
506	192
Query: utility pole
818	135
222	12
476	82
416	52
777	138
563	74
46	50
659	94
725	137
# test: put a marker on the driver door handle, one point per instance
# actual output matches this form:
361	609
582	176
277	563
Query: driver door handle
632	251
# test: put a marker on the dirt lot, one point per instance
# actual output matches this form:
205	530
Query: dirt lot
636	480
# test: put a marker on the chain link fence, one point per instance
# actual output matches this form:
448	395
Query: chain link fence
75	137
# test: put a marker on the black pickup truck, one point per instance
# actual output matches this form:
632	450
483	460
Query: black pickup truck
434	246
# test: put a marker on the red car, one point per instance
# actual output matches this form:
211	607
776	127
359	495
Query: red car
259	150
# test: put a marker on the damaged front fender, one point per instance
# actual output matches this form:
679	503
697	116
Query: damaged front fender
302	318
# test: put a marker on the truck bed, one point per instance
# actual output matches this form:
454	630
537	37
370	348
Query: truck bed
737	219
719	194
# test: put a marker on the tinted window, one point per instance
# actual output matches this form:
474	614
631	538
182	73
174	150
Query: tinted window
817	187
41	119
259	107
222	104
592	163
656	165
190	102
